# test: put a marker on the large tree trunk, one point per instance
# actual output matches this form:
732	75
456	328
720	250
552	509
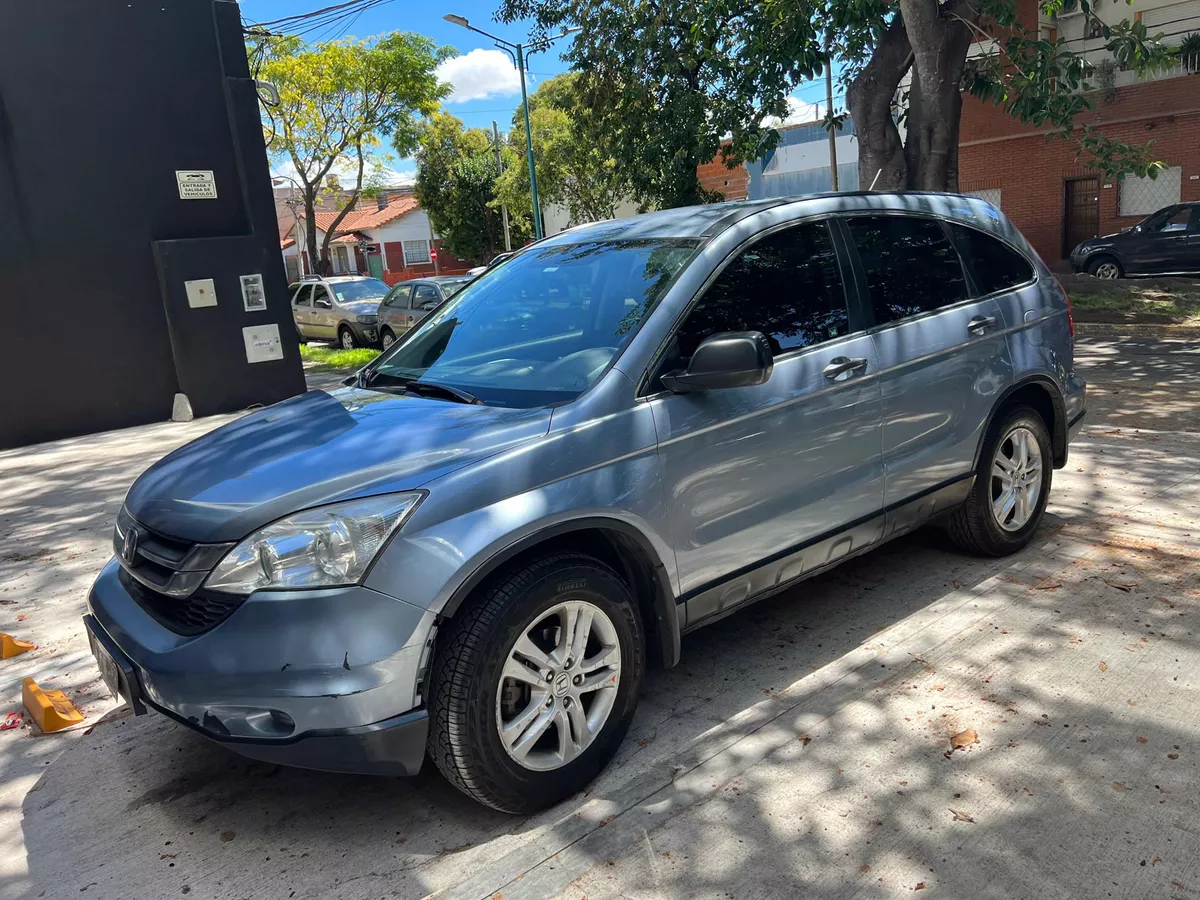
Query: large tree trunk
881	159
940	37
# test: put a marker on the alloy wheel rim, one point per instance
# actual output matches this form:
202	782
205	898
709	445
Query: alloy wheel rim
1016	483
347	341
1106	270
558	686
387	341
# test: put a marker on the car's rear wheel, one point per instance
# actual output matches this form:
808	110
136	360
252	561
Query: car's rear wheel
534	682
1012	485
1104	267
386	338
346	339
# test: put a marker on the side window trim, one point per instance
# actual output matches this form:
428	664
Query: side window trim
648	377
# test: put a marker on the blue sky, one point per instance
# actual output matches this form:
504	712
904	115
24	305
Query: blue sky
485	81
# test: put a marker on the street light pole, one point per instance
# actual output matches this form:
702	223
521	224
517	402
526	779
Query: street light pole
537	206
518	52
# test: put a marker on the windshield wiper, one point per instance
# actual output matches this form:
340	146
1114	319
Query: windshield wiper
433	388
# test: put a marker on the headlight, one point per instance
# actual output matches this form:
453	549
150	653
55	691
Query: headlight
367	320
329	546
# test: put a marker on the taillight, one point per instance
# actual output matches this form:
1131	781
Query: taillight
1070	312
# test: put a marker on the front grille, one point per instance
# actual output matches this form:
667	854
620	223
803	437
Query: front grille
165	576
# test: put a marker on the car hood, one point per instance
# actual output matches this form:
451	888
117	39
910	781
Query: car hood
363	307
314	449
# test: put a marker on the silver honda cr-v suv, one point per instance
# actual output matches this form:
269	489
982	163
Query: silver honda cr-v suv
624	433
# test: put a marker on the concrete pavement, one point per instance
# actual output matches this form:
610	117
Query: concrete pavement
800	750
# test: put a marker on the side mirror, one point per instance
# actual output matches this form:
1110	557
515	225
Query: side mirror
727	360
323	303
1138	229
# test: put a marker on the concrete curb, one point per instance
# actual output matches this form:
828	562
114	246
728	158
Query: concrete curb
1105	329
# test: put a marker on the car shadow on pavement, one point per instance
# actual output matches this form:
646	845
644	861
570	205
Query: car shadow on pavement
145	808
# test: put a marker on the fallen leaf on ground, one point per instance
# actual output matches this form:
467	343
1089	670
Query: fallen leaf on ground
167	855
1142	740
1156	861
1103	667
1120	585
1049	587
227	836
1117	786
1172	756
804	739
864	868
960	816
22	617
920	886
938	687
964	739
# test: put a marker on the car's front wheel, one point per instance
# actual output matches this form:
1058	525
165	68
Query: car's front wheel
1104	267
386	338
534	682
346	338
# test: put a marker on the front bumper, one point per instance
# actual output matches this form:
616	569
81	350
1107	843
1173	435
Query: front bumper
319	679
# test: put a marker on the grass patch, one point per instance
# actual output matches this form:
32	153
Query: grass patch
1166	301
318	356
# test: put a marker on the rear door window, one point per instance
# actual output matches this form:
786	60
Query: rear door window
787	285
426	297
997	266
910	264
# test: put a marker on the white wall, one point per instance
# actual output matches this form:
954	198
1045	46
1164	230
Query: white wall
558	218
413	226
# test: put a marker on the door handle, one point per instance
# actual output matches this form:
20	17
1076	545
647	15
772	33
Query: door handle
840	365
980	324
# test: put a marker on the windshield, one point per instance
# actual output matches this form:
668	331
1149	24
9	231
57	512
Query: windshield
453	287
542	327
367	289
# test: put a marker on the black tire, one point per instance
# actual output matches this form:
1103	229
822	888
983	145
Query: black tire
1094	265
973	526
469	655
342	343
383	338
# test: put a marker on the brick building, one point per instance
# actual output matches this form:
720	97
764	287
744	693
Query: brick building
1054	199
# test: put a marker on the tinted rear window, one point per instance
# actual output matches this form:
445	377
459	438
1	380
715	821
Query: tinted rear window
997	266
910	264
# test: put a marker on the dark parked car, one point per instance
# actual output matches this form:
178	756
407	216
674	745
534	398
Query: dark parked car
410	301
1166	243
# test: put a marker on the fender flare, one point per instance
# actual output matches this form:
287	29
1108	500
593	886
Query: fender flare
1058	428
666	610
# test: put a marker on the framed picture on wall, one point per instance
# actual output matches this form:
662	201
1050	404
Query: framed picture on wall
254	298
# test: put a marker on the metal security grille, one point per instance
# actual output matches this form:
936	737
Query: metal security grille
1142	196
991	195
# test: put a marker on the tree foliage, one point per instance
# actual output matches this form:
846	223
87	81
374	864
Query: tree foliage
671	80
667	81
338	101
573	169
456	185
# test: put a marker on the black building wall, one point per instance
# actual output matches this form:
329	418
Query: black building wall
101	101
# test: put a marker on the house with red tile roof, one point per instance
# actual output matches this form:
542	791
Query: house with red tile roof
390	239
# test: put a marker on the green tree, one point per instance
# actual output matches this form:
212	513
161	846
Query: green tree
673	79
456	184
665	82
573	169
338	101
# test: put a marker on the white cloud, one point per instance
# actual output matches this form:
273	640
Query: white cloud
375	174
480	74
799	112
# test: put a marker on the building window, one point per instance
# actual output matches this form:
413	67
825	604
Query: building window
416	253
1142	196
990	195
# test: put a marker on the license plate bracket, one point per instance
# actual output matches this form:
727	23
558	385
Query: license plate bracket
117	671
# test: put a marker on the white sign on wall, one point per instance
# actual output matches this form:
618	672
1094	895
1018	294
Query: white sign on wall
254	298
201	292
262	343
196	184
